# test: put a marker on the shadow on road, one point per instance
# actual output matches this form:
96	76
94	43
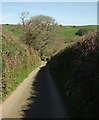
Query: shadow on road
39	102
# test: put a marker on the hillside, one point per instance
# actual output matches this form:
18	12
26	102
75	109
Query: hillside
18	60
75	71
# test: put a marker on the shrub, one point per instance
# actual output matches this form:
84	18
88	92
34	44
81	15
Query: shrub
82	31
75	70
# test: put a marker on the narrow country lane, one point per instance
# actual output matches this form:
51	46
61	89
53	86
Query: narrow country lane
36	97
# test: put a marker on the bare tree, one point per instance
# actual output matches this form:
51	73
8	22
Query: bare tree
23	17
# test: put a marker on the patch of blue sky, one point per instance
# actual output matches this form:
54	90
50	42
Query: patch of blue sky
66	13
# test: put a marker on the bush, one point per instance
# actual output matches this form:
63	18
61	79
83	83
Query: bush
29	36
75	70
82	31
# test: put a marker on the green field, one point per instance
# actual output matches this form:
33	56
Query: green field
15	30
70	31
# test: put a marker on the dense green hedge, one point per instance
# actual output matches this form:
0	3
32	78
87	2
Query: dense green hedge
18	60
75	70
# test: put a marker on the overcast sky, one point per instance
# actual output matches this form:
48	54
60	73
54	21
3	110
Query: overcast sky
73	13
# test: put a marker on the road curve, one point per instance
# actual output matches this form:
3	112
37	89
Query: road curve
36	97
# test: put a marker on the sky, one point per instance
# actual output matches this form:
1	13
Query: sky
50	0
65	13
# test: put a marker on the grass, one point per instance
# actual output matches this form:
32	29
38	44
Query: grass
70	31
16	30
15	77
9	48
90	27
